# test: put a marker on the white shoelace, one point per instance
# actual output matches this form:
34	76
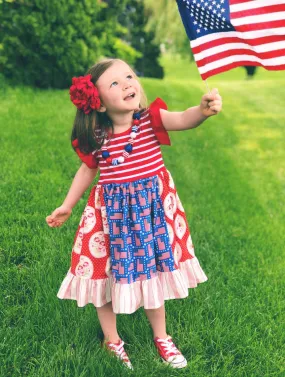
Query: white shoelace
169	346
119	349
121	353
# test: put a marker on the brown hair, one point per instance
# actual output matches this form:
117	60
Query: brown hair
91	129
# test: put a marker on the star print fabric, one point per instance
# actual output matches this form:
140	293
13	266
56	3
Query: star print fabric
203	17
138	232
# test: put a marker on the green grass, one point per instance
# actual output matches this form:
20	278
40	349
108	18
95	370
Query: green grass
229	173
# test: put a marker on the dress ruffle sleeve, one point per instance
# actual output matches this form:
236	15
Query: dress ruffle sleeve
89	159
159	130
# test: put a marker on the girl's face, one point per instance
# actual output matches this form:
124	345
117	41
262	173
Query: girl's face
119	89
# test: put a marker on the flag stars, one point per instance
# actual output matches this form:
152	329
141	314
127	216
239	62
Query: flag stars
207	15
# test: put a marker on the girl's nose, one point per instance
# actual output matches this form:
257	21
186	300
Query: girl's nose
127	85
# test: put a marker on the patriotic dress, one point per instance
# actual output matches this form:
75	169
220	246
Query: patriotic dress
133	244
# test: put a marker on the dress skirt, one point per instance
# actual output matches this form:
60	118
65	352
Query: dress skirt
132	247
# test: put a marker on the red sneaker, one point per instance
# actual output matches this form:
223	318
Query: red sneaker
118	350
169	353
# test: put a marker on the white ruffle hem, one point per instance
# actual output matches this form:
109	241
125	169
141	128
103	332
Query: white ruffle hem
127	298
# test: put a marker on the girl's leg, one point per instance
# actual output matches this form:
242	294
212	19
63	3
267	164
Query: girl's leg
156	318
107	320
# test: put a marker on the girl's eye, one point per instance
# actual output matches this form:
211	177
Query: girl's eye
129	76
114	83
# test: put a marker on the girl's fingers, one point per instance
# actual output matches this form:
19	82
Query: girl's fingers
212	97
53	222
214	103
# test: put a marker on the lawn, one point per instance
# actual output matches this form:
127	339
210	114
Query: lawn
229	174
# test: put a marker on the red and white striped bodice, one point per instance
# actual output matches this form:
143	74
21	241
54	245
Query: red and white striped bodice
144	161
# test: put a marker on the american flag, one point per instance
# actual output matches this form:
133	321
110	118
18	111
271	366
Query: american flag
226	34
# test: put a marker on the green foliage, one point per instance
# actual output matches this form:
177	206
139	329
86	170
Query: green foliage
46	42
164	20
126	52
134	18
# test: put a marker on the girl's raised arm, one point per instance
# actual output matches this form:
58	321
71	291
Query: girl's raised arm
179	121
82	180
211	104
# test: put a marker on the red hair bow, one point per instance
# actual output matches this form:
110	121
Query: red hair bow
84	94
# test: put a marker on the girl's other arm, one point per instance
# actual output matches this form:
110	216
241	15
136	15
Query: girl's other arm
82	180
211	104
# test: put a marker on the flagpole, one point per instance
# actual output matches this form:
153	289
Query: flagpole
206	83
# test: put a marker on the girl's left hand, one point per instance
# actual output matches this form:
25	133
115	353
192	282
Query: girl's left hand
211	104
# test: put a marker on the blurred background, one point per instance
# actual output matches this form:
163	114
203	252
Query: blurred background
44	43
229	174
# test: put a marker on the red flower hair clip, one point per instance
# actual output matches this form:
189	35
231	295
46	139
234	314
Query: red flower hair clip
84	94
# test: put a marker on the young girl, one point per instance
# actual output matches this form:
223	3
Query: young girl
133	246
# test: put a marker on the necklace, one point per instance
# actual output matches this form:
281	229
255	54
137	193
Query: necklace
128	148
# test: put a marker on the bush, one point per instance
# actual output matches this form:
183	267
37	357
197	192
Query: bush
46	42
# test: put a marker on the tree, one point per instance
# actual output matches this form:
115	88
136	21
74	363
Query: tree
46	42
165	21
134	18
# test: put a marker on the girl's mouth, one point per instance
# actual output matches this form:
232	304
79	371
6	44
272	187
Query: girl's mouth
130	96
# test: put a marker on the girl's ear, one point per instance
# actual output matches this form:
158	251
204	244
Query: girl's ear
102	108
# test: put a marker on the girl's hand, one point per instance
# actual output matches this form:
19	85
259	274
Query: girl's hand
59	216
211	104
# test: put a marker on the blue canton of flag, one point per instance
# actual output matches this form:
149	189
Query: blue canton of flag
203	17
226	34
